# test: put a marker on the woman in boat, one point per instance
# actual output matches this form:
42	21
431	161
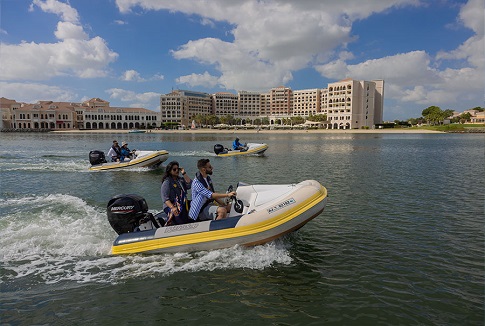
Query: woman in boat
174	194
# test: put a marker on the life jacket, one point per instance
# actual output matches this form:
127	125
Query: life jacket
117	150
209	186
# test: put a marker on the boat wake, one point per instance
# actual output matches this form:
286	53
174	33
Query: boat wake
192	153
59	238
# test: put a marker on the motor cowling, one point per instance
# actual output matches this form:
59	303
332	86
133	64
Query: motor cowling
97	157
125	212
218	148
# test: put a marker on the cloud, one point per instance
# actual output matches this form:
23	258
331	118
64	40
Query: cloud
75	54
33	92
132	75
63	10
263	52
67	30
130	96
194	80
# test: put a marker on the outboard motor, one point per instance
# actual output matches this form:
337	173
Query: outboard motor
218	148
96	157
126	211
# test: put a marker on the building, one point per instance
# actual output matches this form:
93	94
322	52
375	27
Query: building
182	106
225	104
250	104
306	102
353	104
92	114
348	104
7	108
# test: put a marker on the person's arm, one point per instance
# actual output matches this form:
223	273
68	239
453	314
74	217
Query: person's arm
186	177
218	197
165	194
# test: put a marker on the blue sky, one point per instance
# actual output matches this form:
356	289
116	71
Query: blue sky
129	52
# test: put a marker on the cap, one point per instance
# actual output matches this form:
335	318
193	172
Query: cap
124	143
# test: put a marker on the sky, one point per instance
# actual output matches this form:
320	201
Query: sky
129	52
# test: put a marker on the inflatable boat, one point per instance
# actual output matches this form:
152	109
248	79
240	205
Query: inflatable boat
251	149
140	159
259	214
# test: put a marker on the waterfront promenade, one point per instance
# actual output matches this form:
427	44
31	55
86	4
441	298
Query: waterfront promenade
266	131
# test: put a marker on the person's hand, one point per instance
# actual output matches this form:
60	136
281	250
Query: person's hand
175	210
182	170
231	194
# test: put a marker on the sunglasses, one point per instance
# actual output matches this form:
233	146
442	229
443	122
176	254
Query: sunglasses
175	169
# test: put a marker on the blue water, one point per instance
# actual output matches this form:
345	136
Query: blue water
401	241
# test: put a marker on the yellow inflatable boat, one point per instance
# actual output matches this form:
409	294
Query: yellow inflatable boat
260	213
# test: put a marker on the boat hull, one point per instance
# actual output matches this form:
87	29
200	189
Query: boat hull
258	224
253	149
146	159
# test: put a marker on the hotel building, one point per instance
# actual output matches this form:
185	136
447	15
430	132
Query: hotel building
347	104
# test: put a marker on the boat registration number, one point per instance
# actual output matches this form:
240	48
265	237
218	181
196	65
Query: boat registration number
279	206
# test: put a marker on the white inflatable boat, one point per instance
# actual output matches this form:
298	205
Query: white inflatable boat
251	149
141	159
260	213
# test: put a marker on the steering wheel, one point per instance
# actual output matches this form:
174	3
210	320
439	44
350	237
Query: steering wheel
238	204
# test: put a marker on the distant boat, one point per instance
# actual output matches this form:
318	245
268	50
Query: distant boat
250	149
141	159
137	131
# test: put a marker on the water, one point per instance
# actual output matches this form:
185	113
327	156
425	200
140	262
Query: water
401	241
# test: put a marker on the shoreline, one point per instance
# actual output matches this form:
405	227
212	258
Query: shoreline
263	131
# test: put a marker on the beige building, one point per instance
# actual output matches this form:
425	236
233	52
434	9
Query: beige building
306	102
348	104
250	104
225	103
353	104
92	114
182	106
7	108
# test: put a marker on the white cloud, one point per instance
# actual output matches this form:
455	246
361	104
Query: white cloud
75	54
33	92
63	10
264	54
472	15
67	30
130	96
263	51
132	75
194	80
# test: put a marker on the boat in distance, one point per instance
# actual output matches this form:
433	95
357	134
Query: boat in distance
141	159
261	213
250	149
137	131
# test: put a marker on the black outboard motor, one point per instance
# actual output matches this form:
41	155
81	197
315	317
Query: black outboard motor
126	211
218	148
96	157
